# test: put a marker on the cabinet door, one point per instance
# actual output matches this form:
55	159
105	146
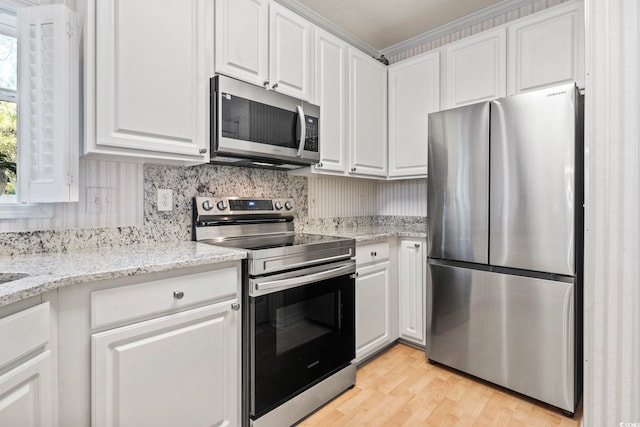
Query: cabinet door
242	39
373	320
26	394
411	275
289	52
177	370
475	69
153	65
414	92
367	115
331	95
547	49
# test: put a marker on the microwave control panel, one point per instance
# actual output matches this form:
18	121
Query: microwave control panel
311	141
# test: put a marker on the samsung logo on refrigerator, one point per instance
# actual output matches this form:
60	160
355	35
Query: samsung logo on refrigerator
557	93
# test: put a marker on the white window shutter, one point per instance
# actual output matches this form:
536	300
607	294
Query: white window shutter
48	104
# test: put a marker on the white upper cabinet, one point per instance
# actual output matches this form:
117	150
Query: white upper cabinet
367	115
331	95
266	44
289	52
475	69
152	69
242	39
414	92
547	49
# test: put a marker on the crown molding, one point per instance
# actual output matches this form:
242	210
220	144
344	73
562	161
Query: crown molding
457	25
327	25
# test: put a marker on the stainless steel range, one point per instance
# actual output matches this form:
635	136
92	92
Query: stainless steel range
298	306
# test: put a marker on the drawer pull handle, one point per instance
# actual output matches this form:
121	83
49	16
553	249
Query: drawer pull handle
373	253
178	294
417	245
235	306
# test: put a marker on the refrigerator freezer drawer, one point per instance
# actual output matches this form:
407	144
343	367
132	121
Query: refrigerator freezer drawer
517	332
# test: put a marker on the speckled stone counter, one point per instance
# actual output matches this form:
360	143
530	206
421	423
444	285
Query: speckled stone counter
370	228
361	234
53	270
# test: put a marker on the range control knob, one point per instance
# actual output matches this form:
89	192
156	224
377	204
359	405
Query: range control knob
288	205
207	205
221	205
278	205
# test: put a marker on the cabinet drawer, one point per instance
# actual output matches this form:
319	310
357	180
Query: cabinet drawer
366	254
26	331
146	299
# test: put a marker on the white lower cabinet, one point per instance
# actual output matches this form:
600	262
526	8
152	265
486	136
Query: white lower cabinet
376	298
176	370
411	283
160	349
26	360
26	394
372	308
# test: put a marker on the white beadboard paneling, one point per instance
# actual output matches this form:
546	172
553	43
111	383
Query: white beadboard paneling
612	233
332	197
425	42
403	198
122	182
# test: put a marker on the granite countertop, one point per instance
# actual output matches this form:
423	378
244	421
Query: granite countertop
363	234
48	271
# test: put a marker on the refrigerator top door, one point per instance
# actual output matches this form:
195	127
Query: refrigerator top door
458	184
532	208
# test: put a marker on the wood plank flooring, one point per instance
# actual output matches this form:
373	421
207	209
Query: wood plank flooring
399	388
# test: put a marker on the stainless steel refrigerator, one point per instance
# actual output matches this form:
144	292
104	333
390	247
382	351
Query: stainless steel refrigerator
505	227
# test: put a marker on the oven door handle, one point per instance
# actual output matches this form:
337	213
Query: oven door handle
292	282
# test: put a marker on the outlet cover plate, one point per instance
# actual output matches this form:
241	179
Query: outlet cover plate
165	199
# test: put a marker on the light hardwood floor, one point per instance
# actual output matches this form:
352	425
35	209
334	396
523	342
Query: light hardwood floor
399	388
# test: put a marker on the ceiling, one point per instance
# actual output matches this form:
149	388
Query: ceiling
384	23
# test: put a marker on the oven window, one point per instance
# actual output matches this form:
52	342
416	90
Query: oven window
298	337
302	322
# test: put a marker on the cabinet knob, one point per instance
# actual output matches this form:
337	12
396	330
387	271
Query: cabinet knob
357	274
353	169
275	86
373	253
265	84
203	151
417	245
178	294
235	306
319	165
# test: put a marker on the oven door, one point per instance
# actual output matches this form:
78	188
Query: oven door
302	329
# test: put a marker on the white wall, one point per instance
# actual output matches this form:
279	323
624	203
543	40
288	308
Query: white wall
612	253
435	39
332	197
119	184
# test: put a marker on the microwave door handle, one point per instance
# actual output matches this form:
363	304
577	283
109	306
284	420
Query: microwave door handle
303	129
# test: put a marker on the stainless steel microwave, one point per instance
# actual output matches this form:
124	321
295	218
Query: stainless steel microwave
252	126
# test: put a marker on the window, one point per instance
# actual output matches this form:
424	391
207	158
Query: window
8	99
42	131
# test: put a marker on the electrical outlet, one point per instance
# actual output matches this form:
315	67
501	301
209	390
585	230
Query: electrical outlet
165	199
99	200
